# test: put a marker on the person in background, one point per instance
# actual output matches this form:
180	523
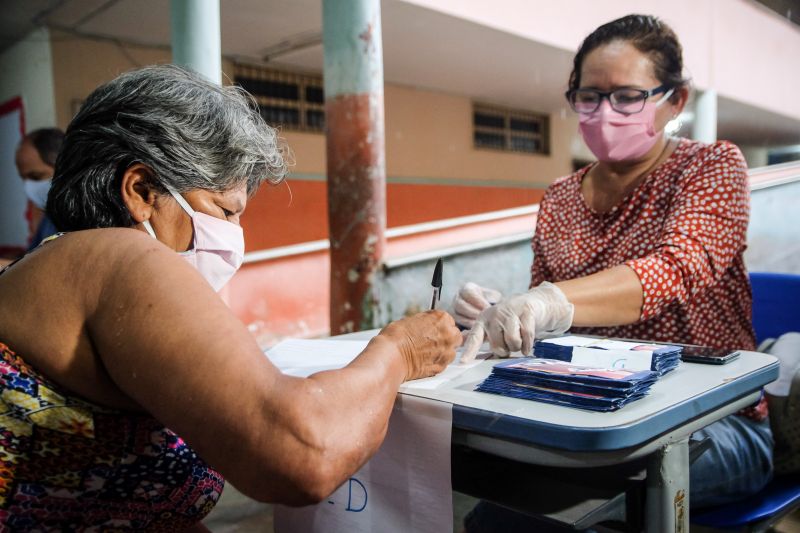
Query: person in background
645	243
132	391
35	159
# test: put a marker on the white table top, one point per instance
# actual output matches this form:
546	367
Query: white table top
690	391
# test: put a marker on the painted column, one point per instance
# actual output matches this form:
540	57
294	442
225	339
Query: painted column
356	165
704	127
196	37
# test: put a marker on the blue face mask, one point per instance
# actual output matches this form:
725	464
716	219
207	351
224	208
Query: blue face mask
36	191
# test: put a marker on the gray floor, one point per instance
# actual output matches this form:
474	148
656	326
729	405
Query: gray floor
236	513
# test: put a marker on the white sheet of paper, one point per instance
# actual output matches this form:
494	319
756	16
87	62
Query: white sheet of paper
452	371
303	357
570	340
404	487
629	359
606	344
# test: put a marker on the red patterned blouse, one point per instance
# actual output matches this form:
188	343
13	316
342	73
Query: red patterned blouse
681	230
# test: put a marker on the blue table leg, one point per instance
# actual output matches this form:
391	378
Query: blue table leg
667	507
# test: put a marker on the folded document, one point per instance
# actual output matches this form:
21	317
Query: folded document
610	353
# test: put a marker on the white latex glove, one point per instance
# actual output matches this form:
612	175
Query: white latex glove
514	323
470	301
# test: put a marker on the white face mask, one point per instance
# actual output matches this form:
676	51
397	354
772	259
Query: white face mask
36	191
218	249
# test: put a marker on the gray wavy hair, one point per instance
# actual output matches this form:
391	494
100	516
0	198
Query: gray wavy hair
191	133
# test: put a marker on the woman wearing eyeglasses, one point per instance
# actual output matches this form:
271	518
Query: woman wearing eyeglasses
645	243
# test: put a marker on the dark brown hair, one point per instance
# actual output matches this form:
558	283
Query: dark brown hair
649	34
47	142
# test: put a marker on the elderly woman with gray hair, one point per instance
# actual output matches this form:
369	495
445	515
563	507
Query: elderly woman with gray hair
135	390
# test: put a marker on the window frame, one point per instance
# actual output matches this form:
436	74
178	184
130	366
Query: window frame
302	105
542	137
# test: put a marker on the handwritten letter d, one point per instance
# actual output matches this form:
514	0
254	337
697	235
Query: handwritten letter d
350	495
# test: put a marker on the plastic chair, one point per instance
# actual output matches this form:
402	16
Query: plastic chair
776	310
780	497
776	304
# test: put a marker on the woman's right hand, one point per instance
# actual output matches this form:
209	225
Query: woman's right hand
427	342
471	300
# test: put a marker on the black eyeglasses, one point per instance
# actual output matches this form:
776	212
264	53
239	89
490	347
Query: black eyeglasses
626	101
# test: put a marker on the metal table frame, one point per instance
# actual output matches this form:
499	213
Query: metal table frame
656	427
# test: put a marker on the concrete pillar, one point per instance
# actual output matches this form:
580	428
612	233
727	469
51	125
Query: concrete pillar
356	163
704	127
196	37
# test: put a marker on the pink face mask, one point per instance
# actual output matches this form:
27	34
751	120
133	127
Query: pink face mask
218	249
613	136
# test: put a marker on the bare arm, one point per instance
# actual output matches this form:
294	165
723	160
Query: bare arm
701	238
170	343
611	297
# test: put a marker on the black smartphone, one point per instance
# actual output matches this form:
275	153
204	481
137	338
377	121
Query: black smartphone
705	354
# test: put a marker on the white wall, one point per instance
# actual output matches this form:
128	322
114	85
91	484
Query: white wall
738	47
27	69
773	242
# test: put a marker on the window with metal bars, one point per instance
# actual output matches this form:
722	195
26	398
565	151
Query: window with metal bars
288	100
511	130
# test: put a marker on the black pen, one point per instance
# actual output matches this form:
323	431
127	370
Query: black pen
437	283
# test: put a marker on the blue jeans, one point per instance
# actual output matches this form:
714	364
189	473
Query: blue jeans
737	464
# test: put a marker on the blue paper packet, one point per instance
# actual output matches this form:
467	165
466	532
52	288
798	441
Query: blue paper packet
562	383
